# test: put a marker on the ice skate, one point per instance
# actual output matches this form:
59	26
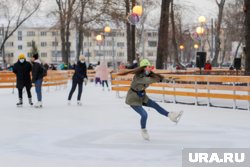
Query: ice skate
145	134
20	103
79	103
38	105
30	102
175	116
69	103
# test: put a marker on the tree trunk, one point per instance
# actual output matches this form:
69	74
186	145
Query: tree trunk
174	42
162	49
247	35
129	38
217	34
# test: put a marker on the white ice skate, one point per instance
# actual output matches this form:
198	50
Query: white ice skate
175	116
69	102
145	134
20	103
38	105
79	103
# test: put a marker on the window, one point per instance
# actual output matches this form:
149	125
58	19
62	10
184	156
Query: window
43	54
54	43
10	55
120	54
20	47
29	54
152	43
120	44
43	33
20	38
9	44
20	33
29	44
149	34
54	33
31	33
43	44
150	54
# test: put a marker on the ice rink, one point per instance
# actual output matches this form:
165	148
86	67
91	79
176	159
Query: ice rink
105	132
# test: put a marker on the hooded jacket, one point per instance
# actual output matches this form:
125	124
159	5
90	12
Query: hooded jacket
22	71
139	83
80	72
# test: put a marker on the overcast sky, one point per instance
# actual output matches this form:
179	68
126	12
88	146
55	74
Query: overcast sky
193	9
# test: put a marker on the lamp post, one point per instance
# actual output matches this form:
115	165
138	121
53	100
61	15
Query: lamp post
107	30
201	31
181	48
99	39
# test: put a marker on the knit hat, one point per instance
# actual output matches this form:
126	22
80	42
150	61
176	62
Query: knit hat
21	56
145	63
82	57
35	56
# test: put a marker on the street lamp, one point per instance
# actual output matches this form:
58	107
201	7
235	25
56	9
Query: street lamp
181	48
99	39
107	30
138	10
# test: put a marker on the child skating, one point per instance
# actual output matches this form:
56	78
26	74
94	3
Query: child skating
137	98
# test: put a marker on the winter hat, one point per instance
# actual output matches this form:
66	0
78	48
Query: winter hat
82	58
21	56
145	63
35	56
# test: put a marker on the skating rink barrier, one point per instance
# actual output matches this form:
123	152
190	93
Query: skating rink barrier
197	86
53	78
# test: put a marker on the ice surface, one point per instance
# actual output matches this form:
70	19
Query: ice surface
105	131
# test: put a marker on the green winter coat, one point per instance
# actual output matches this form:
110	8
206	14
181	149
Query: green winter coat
139	83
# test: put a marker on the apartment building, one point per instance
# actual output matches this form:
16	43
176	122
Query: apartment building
112	48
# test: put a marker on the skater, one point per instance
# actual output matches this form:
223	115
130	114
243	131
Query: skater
104	74
97	74
37	78
136	96
79	76
22	69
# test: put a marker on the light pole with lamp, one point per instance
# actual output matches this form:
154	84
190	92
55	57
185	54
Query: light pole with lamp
99	39
181	56
107	30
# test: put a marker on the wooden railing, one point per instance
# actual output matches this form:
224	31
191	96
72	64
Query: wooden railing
197	86
53	78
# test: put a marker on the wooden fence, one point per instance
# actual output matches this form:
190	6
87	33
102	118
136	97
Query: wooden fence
197	86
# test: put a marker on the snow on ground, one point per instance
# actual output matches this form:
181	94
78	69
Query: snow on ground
105	131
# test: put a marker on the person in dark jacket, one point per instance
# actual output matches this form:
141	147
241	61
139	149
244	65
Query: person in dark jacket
79	76
37	78
136	96
22	69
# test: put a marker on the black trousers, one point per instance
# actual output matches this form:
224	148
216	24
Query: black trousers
74	84
20	92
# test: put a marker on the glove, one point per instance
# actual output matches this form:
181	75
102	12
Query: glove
170	79
85	81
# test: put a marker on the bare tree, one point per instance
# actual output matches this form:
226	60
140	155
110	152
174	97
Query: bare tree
15	13
218	31
66	9
162	49
247	36
88	11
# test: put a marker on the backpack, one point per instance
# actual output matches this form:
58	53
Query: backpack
44	71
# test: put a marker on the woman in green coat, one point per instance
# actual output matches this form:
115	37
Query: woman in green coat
136	96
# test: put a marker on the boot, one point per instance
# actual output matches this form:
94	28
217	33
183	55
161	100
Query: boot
175	116
145	134
30	102
20	103
79	103
39	104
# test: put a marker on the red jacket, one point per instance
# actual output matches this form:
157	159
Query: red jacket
208	66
